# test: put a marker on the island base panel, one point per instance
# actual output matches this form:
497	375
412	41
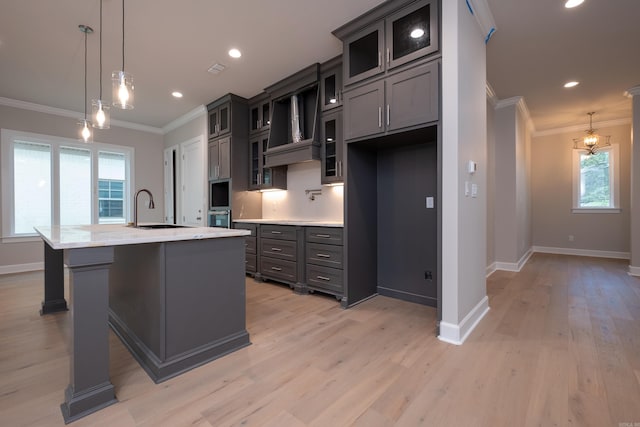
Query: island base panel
53	281
90	388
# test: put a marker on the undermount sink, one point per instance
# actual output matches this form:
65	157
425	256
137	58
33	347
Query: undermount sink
156	226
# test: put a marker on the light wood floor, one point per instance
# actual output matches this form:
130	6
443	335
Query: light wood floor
560	346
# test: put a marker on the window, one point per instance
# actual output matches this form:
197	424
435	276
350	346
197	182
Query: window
595	181
49	180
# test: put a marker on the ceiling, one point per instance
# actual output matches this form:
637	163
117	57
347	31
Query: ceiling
169	46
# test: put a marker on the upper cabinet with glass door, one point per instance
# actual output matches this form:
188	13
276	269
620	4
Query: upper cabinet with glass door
385	38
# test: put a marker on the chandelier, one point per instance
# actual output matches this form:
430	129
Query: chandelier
591	142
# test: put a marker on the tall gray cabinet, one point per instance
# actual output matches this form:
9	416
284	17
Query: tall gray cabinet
391	120
228	151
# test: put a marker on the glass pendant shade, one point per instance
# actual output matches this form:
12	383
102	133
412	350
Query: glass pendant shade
122	85
100	114
85	131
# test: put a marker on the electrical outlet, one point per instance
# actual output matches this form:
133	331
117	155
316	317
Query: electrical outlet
571	237
428	275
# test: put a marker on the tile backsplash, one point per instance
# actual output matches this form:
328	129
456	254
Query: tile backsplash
296	204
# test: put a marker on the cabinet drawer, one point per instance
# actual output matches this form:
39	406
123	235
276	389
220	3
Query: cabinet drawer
325	278
281	249
325	255
330	235
250	245
245	226
250	263
283	232
278	269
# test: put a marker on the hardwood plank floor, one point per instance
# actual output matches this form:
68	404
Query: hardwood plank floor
559	347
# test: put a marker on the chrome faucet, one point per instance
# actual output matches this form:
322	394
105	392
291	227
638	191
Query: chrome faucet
135	204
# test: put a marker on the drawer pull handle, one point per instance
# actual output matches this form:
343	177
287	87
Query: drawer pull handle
323	278
276	249
323	256
276	232
276	268
324	236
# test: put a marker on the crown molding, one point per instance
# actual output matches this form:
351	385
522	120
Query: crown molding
491	95
519	102
182	120
583	127
24	105
482	13
630	93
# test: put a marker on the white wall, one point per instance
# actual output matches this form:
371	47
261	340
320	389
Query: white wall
512	200
148	167
295	204
552	192
464	219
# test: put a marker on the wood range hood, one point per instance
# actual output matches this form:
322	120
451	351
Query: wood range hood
295	138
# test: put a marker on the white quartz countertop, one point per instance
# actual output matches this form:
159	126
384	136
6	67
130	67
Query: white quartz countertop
85	236
292	222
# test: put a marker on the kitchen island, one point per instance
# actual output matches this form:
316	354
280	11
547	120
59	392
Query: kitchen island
175	296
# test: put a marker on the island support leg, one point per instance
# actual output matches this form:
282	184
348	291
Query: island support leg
90	388
53	281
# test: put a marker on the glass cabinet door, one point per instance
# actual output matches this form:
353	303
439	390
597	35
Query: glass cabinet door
255	118
213	123
266	172
363	54
331	83
411	33
265	117
332	148
225	118
254	179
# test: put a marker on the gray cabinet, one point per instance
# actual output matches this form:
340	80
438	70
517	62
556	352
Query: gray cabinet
393	34
363	107
324	260
405	100
332	147
220	159
279	254
250	247
259	113
262	177
219	119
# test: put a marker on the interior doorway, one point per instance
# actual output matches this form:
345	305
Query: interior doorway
170	182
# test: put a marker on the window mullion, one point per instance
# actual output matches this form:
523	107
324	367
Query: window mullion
55	184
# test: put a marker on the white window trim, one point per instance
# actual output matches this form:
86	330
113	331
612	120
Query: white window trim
7	138
614	181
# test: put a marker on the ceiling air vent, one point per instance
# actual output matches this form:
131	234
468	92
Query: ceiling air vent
216	68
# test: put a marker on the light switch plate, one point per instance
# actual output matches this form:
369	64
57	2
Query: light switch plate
474	190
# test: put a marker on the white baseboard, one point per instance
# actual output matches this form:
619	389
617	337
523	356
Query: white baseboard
514	266
21	268
634	271
491	269
582	252
457	334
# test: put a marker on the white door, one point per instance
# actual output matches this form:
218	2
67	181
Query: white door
170	158
192	174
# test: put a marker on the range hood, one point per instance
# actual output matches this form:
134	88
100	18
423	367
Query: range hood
294	134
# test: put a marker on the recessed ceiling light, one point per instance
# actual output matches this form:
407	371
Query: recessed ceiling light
235	53
573	3
176	94
571	84
417	33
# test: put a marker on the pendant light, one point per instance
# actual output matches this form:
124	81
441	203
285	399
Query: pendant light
85	132
122	82
591	142
99	108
